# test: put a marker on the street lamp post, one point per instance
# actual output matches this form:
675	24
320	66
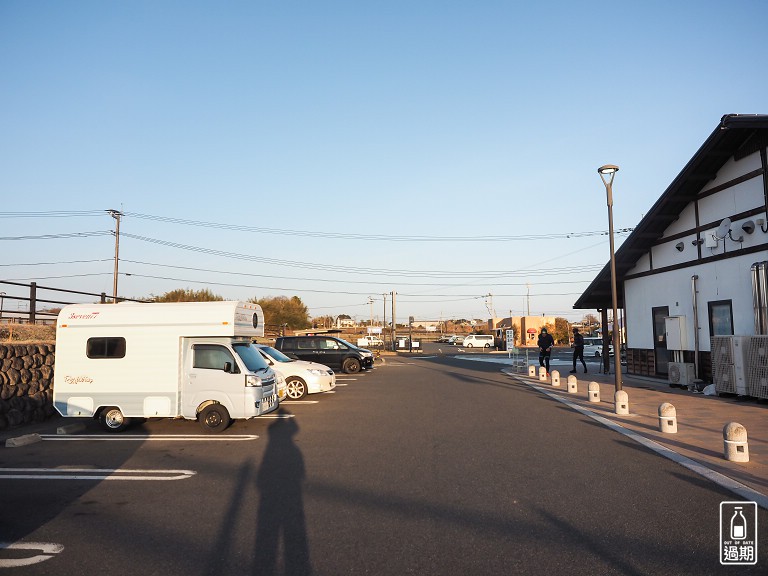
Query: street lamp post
607	173
2	301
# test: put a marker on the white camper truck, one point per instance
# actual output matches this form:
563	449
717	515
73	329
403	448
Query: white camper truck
192	360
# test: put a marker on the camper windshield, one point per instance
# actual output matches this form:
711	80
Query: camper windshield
250	356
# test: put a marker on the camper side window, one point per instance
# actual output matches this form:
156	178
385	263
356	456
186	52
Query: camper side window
105	348
212	357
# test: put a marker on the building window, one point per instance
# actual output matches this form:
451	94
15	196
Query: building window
721	318
105	348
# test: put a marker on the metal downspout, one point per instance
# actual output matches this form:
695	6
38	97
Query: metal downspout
695	325
760	296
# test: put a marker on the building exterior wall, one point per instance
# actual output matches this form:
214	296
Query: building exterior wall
663	275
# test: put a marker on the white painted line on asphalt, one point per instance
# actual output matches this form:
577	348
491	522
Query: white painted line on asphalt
48	549
337	385
292	402
720	479
92	474
329	392
154	437
277	416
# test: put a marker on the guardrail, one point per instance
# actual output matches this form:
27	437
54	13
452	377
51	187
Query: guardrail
30	315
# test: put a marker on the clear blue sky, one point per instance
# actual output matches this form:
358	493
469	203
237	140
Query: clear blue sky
381	121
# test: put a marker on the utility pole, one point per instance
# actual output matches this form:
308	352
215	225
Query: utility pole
394	322
528	298
116	214
384	326
370	301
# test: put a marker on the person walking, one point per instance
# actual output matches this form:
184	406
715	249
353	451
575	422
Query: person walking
545	344
578	350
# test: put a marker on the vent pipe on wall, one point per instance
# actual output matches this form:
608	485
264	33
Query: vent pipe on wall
760	296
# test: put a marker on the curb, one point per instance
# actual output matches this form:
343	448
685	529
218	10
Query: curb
23	440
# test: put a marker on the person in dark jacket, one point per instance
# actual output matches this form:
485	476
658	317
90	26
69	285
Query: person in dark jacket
578	350
545	344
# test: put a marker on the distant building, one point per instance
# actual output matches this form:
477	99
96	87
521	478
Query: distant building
527	328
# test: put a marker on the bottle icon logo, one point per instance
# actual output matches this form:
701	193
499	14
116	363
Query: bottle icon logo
738	525
738	533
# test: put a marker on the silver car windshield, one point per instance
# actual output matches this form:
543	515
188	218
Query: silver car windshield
275	354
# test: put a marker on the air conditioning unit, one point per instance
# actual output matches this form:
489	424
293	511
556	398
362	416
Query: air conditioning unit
729	364
681	373
724	378
757	382
757	351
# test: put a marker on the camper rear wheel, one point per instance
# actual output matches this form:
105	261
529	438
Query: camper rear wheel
214	418
112	419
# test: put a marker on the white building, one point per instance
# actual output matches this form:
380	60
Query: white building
698	255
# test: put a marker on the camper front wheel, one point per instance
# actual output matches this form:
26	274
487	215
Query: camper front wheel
112	419
214	418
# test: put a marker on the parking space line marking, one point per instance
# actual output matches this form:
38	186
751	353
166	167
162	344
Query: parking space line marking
48	549
292	402
92	474
156	437
337	385
277	416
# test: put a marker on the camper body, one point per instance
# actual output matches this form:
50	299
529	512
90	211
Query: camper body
192	360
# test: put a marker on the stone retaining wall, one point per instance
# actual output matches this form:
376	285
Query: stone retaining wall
26	383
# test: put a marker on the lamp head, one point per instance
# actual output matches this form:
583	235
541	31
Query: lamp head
608	169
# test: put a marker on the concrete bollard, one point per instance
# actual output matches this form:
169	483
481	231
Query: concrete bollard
667	418
573	385
621	402
542	374
532	371
735	444
555	378
593	392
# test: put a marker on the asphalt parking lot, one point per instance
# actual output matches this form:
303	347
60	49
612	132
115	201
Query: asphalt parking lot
430	464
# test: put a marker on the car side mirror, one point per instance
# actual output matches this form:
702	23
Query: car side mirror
228	367
291	355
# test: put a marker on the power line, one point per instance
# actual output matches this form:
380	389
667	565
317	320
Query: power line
59	236
316	234
52	214
371	237
333	268
56	263
526	273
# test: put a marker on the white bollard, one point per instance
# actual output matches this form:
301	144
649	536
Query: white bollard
621	401
667	418
555	378
593	392
573	385
532	371
542	374
735	444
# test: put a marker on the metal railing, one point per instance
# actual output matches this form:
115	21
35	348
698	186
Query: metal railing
34	310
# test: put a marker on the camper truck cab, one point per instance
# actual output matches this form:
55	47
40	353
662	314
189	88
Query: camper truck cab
192	360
